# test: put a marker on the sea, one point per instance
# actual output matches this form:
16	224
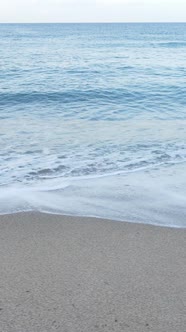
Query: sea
93	120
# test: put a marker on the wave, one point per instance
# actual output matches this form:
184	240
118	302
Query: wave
86	171
172	44
72	96
124	100
153	197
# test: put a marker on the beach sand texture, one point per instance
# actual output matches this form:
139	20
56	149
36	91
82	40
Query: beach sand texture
73	274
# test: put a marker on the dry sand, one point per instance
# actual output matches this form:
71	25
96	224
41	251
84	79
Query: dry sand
83	274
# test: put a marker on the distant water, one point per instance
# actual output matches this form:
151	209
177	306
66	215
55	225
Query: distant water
93	120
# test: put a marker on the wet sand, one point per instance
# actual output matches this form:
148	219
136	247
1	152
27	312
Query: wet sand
73	274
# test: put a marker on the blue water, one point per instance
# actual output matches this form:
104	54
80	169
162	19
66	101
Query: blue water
93	120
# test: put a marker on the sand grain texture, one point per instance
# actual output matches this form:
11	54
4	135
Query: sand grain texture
89	275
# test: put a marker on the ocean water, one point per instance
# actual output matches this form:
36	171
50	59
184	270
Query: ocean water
93	120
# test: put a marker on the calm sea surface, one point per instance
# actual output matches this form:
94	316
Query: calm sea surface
93	120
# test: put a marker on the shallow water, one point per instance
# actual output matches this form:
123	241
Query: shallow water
93	120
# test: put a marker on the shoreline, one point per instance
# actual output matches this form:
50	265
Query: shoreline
66	273
90	217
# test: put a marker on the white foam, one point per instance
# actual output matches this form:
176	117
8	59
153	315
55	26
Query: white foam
155	197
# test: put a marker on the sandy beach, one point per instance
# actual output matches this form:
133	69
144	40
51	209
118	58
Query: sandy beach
73	274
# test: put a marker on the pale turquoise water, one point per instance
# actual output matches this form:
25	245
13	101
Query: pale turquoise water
93	120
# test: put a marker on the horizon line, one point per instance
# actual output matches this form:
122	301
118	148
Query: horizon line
99	22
